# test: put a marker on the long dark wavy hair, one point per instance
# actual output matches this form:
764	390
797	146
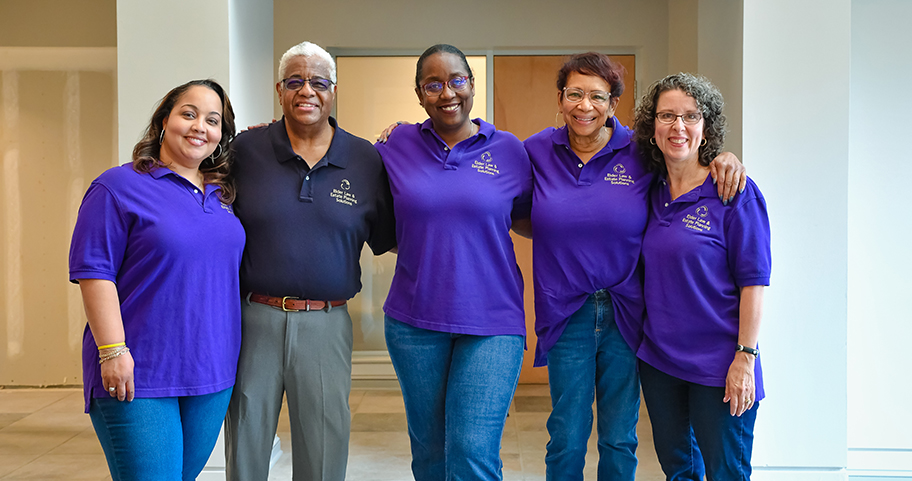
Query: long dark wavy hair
146	153
709	101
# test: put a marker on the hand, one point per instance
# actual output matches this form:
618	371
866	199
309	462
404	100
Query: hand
258	126
740	391
118	373
387	131
729	175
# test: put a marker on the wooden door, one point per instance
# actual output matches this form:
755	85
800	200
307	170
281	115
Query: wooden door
525	102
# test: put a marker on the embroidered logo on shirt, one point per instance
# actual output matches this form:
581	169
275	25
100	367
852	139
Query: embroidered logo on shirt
697	222
486	165
342	195
619	176
227	207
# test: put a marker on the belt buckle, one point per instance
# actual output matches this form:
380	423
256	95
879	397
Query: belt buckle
291	310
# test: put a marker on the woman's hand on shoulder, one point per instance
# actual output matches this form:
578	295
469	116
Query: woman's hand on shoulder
729	175
258	126
740	388
118	373
389	130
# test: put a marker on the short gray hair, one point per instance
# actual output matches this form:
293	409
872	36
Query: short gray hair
307	49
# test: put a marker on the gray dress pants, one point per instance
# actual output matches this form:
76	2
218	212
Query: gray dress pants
307	356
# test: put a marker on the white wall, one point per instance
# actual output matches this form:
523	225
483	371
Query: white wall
796	90
720	50
879	419
614	26
250	61
227	40
156	53
705	37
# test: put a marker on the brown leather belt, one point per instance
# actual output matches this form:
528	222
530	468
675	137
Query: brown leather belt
293	304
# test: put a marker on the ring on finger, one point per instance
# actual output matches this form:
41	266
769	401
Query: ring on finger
112	389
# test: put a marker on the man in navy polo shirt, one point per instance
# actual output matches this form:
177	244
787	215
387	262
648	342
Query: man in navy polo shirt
309	196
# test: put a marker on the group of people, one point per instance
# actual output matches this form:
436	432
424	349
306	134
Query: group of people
215	274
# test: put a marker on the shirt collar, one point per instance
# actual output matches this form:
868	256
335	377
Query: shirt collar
621	137
281	144
160	171
485	129
706	189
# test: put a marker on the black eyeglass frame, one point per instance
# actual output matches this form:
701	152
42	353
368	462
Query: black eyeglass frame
317	87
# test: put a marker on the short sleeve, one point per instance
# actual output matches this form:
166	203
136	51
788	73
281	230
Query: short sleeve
100	237
748	242
522	204
383	229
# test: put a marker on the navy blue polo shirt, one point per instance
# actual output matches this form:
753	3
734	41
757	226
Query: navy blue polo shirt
306	226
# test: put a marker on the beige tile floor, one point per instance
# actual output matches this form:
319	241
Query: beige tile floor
44	435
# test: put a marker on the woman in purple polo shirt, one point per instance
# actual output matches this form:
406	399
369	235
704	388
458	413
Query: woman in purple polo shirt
705	265
589	211
156	252
454	315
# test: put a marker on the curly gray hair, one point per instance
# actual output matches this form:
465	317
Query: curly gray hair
709	101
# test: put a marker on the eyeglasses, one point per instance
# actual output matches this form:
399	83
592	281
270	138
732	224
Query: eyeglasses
596	97
690	118
456	84
316	83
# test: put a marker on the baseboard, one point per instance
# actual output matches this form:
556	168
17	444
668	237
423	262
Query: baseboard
879	464
798	473
372	366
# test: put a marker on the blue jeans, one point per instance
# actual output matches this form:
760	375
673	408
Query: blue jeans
457	389
694	432
158	439
591	361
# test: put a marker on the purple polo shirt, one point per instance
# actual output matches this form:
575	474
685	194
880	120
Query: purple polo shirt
697	254
173	253
456	271
587	221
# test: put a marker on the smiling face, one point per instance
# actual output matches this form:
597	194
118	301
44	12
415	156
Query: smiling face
677	141
193	128
584	118
306	107
449	110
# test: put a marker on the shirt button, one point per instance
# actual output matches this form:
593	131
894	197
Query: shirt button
666	204
307	177
580	166
446	149
196	191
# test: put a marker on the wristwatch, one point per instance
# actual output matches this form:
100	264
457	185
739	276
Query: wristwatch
749	350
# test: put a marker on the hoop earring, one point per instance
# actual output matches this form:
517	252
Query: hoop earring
557	118
652	141
161	138
702	144
213	156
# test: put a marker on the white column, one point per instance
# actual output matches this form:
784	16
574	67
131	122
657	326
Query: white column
879	419
796	141
165	43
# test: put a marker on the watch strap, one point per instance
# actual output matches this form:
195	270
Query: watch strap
749	350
